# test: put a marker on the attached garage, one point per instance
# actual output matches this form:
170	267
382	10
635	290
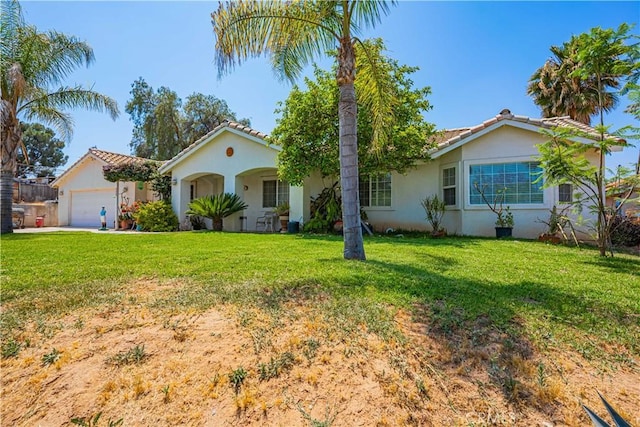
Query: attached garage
85	206
83	191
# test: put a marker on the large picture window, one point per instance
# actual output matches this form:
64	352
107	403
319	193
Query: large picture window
274	193
449	186
375	190
520	182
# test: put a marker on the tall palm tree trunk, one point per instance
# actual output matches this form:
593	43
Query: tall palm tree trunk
9	140
348	122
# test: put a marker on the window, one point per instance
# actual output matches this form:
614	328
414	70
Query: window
565	193
520	182
449	186
375	190
192	191
274	193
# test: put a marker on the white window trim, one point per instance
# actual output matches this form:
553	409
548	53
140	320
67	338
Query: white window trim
379	208
278	181
456	168
548	195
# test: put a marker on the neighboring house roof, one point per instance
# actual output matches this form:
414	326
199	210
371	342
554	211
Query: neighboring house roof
225	126
449	139
107	157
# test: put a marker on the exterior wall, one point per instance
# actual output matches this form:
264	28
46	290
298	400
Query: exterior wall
85	176
502	145
48	210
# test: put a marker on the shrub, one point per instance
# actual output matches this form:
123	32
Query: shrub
216	207
625	232
157	216
434	208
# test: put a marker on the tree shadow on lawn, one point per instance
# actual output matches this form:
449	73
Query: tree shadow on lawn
617	264
488	321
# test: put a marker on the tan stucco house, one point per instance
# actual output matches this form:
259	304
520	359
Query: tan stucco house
499	152
82	190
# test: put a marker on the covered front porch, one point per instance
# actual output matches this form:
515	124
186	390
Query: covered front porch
259	188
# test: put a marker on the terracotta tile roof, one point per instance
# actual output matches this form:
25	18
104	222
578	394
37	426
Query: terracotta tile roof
449	137
225	124
108	157
115	159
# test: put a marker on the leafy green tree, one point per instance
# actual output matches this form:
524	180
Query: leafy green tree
202	113
308	129
44	151
600	55
292	34
216	207
33	67
163	126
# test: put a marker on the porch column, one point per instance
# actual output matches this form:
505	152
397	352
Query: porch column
296	203
180	196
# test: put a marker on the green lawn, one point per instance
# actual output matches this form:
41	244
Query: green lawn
550	295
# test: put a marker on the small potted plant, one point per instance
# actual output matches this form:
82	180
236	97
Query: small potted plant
504	222
282	210
434	208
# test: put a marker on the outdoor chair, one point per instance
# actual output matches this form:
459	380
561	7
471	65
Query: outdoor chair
265	222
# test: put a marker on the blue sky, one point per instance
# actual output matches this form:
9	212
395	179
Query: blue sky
476	56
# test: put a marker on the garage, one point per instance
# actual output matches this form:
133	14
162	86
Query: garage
85	207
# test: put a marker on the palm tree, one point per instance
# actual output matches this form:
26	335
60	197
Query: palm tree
559	91
216	207
33	66
292	33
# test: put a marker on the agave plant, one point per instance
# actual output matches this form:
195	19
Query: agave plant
599	422
216	207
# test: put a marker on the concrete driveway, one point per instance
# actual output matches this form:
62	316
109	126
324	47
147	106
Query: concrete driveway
52	229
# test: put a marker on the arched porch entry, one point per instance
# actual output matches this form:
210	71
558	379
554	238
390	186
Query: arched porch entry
198	185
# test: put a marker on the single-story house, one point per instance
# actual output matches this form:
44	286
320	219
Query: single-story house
499	153
83	191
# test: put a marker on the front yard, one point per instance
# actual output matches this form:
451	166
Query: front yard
219	328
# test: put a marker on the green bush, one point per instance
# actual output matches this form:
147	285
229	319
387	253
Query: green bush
157	216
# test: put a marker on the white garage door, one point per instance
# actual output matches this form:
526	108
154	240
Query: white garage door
86	206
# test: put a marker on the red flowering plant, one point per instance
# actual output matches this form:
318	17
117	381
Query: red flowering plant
127	212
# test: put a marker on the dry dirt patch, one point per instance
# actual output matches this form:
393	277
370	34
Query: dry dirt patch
244	366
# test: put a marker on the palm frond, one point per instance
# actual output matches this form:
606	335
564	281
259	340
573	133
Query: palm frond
49	58
375	89
367	13
11	20
60	121
293	32
73	97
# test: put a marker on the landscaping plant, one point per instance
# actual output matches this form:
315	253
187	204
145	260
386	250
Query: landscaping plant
217	207
156	216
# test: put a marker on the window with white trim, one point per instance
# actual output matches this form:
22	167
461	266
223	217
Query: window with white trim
375	190
520	182
274	193
565	193
449	186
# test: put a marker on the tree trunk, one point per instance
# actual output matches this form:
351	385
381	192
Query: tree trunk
9	141
216	224
348	115
6	201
